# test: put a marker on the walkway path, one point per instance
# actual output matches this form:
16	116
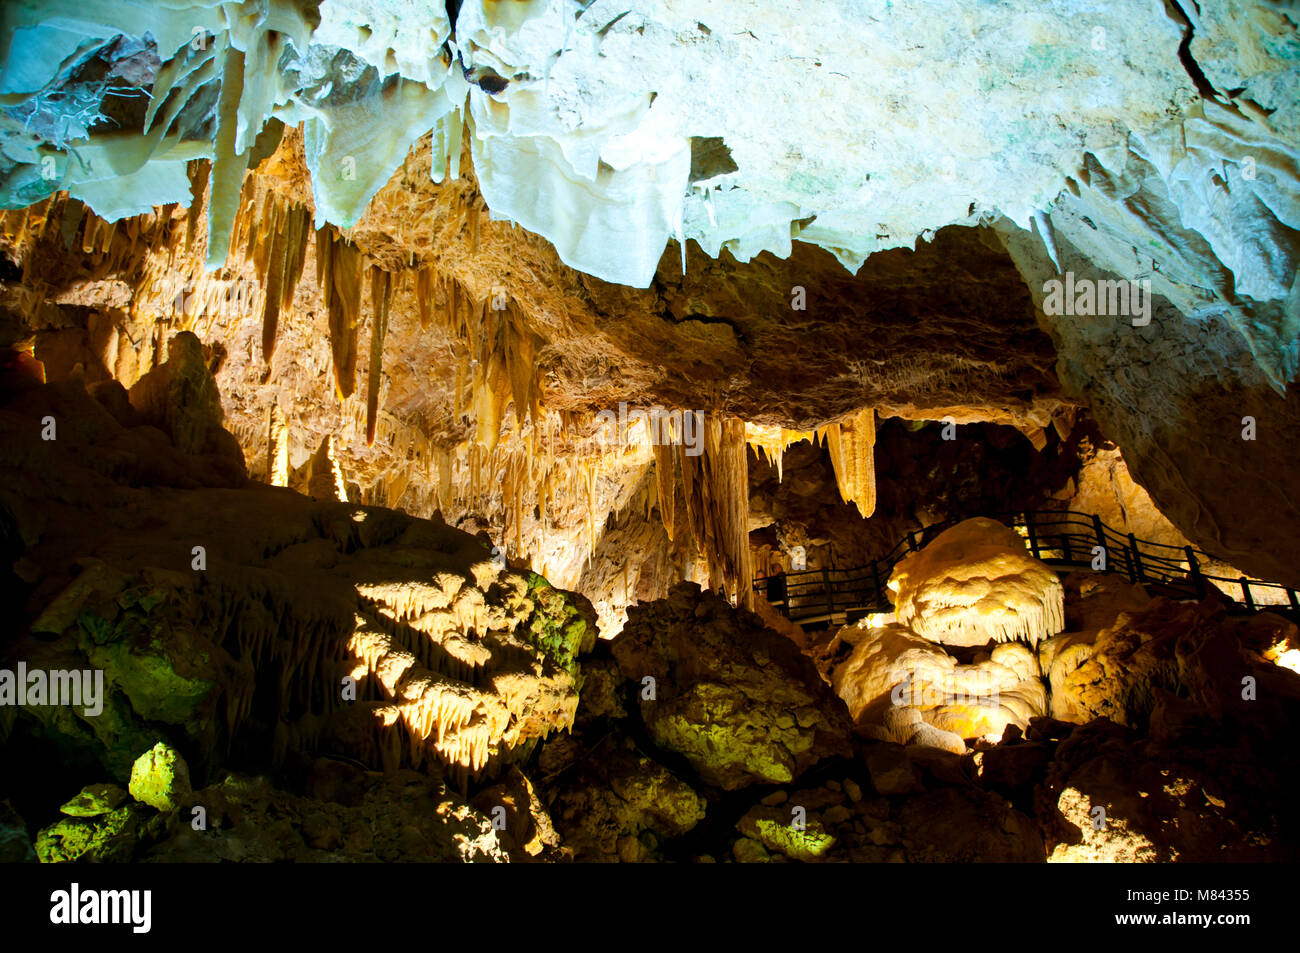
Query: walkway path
1062	538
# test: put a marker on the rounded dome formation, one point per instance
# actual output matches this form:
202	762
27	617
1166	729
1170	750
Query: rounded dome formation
975	584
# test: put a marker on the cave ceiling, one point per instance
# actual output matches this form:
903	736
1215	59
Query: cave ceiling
446	241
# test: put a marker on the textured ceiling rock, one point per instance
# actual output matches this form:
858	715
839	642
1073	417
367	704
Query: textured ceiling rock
859	128
593	117
1197	418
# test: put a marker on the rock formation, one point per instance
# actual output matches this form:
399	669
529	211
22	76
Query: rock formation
976	584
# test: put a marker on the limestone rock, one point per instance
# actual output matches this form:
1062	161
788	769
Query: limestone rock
739	701
892	772
1191	650
622	805
15	844
113	837
1111	796
964	825
180	397
94	800
799	837
749	851
160	778
394	817
185	591
527	826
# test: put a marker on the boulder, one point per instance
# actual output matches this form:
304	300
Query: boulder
95	800
160	778
740	702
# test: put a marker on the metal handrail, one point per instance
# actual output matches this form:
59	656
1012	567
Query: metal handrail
862	589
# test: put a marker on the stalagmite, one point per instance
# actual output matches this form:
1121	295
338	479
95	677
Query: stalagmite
277	449
851	443
381	293
325	481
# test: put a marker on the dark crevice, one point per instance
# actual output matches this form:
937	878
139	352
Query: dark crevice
1203	85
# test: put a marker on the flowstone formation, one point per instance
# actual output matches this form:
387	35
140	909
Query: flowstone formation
975	584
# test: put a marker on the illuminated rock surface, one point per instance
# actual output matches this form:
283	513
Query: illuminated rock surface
738	701
183	594
976	584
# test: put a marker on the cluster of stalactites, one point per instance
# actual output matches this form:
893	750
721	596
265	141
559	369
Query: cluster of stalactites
772	441
461	722
273	235
708	492
851	443
499	364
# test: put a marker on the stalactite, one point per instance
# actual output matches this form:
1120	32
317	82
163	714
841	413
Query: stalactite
424	295
715	489
381	293
772	441
666	483
851	443
520	365
342	278
228	166
285	263
274	293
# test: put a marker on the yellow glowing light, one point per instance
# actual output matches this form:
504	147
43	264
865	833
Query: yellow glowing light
1290	659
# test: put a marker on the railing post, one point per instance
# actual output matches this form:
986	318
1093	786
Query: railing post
1194	566
1245	591
1135	560
777	593
1033	537
1066	549
1295	602
880	589
830	596
911	540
